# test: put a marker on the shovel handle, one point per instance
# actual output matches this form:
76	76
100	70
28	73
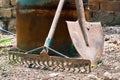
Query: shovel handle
82	20
54	24
80	10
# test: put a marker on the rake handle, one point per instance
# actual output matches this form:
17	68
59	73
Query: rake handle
54	24
81	18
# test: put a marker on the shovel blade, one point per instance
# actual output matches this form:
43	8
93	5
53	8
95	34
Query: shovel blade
95	39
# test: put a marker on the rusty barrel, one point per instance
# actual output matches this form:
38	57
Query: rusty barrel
34	18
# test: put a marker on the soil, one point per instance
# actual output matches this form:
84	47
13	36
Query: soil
107	69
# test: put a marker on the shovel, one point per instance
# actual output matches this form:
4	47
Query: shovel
87	37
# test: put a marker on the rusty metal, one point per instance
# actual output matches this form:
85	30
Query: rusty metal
32	20
52	62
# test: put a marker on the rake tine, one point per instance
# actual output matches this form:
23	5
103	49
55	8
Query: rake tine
14	59
87	66
75	66
33	61
56	65
56	68
22	61
43	62
84	67
10	55
53	67
36	63
17	59
62	66
50	63
26	61
79	67
72	67
47	62
39	63
68	65
79	70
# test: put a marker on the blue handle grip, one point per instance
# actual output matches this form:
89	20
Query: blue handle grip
48	42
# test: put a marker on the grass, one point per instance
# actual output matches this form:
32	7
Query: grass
5	40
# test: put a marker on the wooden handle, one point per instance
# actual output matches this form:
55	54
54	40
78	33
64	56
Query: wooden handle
82	20
54	24
80	10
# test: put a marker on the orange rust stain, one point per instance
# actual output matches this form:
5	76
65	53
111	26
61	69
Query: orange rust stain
32	28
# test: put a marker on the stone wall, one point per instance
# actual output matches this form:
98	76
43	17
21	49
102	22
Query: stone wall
7	14
106	11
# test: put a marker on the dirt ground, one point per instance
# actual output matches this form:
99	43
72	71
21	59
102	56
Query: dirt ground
107	69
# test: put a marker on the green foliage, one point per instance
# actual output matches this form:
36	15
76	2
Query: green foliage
5	40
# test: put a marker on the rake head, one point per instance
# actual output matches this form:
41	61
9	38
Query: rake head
54	63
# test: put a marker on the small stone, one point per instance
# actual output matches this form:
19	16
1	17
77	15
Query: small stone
117	67
94	77
82	70
107	76
107	39
116	76
115	42
4	74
